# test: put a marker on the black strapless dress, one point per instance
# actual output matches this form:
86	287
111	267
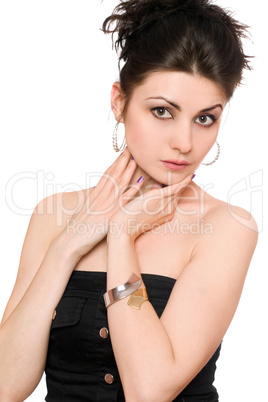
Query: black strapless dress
80	362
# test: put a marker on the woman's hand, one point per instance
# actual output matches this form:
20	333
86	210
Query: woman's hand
90	222
148	210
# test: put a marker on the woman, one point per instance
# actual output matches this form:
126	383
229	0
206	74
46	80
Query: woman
142	282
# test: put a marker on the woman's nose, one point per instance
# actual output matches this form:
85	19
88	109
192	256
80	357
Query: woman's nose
181	137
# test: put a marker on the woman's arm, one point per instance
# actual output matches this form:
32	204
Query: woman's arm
50	252
43	273
157	358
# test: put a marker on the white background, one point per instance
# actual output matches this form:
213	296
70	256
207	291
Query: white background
56	71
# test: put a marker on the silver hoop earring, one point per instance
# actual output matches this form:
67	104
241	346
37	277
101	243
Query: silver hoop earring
216	157
115	146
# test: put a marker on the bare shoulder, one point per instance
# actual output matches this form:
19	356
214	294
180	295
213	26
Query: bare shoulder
49	218
47	221
234	233
54	211
229	220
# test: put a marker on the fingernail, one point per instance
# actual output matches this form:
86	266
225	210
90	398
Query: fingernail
140	179
193	176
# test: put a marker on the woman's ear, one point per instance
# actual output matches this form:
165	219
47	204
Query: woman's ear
117	101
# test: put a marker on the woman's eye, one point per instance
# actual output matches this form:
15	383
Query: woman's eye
162	113
205	120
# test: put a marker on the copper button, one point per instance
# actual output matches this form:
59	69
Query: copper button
109	378
104	332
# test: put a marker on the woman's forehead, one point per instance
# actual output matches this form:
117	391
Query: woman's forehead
180	87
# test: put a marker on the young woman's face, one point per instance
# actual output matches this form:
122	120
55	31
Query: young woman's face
173	116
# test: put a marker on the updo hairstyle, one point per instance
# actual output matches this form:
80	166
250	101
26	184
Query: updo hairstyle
191	36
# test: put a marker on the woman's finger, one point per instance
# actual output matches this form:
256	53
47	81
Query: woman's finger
114	172
131	192
170	190
177	188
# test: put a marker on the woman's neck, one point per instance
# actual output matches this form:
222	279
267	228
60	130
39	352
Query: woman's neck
147	182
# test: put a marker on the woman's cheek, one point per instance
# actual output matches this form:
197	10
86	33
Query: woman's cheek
139	137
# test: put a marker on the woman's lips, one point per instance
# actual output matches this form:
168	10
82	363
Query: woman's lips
175	165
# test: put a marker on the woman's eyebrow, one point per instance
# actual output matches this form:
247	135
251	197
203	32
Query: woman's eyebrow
166	100
211	108
179	108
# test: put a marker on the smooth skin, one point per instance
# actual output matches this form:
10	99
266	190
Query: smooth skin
209	266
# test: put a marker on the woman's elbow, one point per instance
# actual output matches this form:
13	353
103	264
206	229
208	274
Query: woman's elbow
6	396
150	393
9	393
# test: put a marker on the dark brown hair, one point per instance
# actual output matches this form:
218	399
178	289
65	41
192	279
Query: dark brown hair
192	36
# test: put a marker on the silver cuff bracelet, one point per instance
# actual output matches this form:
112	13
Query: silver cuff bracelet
121	291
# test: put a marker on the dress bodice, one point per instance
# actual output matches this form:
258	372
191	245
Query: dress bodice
80	363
